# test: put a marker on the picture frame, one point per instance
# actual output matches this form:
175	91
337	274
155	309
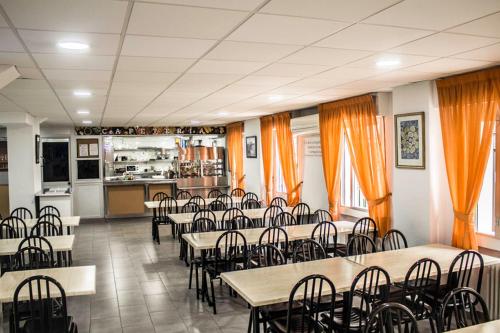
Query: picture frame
37	149
251	146
409	141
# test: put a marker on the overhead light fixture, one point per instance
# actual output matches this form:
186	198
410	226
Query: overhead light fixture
222	114
388	63
73	45
87	122
194	122
83	112
275	98
82	93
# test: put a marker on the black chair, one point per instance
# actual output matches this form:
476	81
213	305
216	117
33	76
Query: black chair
159	196
460	307
54	219
366	226
227	217
205	213
462	267
32	257
302	213
45	311
17	225
7	232
394	240
308	250
45	228
38	242
217	206
270	214
250	204
168	205
305	306
321	215
265	255
231	254
284	219
391	318
22	213
226	199
249	195
49	210
360	244
326	234
278	201
214	193
276	236
238	192
190	207
183	195
198	200
242	222
368	289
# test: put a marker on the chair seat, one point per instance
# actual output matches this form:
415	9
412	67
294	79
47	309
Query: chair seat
341	250
57	326
298	324
357	323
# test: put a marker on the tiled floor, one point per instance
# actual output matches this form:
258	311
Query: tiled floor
142	286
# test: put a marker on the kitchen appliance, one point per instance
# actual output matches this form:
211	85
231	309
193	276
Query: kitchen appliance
132	168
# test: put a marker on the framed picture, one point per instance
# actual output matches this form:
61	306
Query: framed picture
251	146
37	149
410	140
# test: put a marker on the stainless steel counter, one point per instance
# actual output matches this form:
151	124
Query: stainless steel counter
139	181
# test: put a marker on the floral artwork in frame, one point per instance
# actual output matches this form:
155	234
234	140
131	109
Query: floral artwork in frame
410	140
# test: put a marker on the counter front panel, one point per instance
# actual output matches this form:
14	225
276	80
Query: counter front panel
125	200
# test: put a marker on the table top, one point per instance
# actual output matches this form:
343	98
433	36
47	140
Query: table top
182	202
67	221
207	240
257	213
398	262
271	285
76	281
59	244
489	327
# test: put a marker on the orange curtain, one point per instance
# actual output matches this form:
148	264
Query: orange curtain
285	148
468	104
266	138
330	129
235	154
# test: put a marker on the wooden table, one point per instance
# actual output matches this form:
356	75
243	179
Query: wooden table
489	327
182	202
67	221
257	213
59	244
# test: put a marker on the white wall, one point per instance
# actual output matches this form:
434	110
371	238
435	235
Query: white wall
314	188
253	166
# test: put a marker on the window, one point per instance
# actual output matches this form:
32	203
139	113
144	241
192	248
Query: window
485	210
350	192
279	181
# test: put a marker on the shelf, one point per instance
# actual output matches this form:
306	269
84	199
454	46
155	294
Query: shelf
148	161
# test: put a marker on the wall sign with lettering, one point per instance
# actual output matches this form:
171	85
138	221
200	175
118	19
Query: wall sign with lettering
149	130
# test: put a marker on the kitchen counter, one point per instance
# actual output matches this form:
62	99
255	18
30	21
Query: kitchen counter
139	181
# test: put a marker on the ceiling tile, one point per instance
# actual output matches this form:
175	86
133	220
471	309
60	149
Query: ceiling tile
9	42
324	56
284	29
434	15
246	5
399	61
488	26
294	70
74	61
267	81
228	50
147	64
145	77
364	86
30	73
46	42
66	87
16	59
488	53
342	75
58	15
372	37
202	83
226	67
8	106
180	21
444	44
165	47
350	11
3	24
449	65
77	75
404	76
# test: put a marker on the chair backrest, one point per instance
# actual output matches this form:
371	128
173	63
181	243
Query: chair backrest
39	242
167	206
368	289
265	255
7	232
250	204
278	201
302	213
183	195
270	213
326	234
360	244
54	219
49	210
422	280
45	228
17	224
32	257
238	192
214	193
231	250
46	305
159	196
205	213
226	199
308	299
462	307
203	224
276	236
366	226
391	318
217	206
190	207
249	195
394	240
198	200
308	250
462	267
231	213
22	213
242	222
284	219
321	215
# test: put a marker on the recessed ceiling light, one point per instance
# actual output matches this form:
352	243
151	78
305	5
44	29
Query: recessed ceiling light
87	122
83	112
82	93
222	113
73	45
194	122
275	98
388	63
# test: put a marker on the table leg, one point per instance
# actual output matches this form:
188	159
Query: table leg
255	319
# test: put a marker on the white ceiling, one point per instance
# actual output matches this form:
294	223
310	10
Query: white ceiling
183	62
